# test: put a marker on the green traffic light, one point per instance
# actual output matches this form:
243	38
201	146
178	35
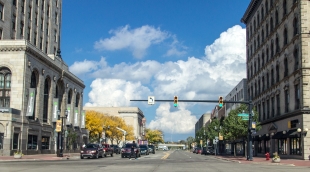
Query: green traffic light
175	105
220	105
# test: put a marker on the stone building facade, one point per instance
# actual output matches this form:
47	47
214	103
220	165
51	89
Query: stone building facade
277	62
36	87
238	93
131	115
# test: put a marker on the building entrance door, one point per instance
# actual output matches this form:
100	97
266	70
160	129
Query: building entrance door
1	140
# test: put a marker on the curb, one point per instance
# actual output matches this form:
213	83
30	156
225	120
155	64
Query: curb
38	159
265	163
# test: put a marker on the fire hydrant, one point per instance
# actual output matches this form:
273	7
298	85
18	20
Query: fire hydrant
267	156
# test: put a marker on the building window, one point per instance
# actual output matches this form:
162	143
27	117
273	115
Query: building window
21	29
48	11
284	8
295	26
55	35
42	5
277	73
255	69
15	140
42	23
259	113
23	6
54	50
271	24
285	41
297	96
35	39
56	16
1	11
45	99
285	67
69	96
271	49
266	6
268	109
32	142
258	86
41	43
264	111
36	19
262	12
272	76
5	87
258	63
33	84
251	71
296	59
267	55
267	75
277	17
13	23
267	30
278	104
255	88
0	33
29	13
47	25
263	59
46	47
287	100
14	3
277	45
28	34
263	36
267	145
260	147
258	41
77	100
282	146
45	142
263	83
272	107
295	146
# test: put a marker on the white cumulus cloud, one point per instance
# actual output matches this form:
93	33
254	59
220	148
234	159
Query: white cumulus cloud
137	40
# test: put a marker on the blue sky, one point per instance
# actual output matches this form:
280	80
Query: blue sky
132	49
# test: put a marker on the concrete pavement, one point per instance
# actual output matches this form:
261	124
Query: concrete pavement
262	160
41	157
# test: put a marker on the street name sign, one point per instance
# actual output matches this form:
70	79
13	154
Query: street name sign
151	100
243	114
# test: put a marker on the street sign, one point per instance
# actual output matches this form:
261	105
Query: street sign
216	138
243	114
253	125
245	118
151	100
215	141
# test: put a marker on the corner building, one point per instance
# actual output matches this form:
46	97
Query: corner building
278	75
36	87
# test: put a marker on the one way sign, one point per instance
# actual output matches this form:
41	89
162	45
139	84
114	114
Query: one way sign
151	100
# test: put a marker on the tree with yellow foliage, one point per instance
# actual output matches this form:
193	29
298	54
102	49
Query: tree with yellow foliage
154	136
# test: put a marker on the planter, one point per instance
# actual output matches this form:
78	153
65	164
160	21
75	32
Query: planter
276	160
17	156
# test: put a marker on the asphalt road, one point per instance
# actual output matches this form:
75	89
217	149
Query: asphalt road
162	161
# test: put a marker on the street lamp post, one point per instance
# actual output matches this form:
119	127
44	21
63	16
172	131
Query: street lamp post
105	133
218	131
60	154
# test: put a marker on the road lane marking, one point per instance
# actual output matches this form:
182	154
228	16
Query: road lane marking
165	156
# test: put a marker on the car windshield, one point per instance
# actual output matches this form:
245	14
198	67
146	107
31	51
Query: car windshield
151	146
143	146
91	146
129	145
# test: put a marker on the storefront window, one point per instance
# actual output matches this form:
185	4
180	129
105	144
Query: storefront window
239	148
1	140
32	142
267	145
45	142
295	146
15	140
260	146
282	146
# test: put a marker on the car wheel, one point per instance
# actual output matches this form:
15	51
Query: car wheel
82	157
111	154
105	155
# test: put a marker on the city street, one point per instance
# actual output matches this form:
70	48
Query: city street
180	161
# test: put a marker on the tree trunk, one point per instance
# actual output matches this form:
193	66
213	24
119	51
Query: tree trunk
234	149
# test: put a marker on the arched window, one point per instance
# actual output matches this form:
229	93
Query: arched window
254	24
45	99
262	12
258	63
277	17
263	59
258	41
267	54
258	20
69	96
277	73
255	69
263	35
33	84
5	87
285	41
271	24
266	6
251	71
272	76
267	77
295	26
267	30
271	49
77	100
296	59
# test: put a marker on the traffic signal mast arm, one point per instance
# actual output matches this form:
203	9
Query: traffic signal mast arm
207	101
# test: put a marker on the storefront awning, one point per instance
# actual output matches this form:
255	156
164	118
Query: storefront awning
293	134
264	137
278	135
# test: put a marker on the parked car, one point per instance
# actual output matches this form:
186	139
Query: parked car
198	151
126	150
107	150
152	149
144	149
195	150
208	151
92	151
116	148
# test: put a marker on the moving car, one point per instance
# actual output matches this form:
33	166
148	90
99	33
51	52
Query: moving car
126	150
144	149
116	148
152	149
92	151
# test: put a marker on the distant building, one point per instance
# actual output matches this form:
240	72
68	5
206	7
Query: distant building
132	116
202	121
238	93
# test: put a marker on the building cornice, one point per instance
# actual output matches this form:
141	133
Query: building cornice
253	4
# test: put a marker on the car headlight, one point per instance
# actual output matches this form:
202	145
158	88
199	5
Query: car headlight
93	151
82	151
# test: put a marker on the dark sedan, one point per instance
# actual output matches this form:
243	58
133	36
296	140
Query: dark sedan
116	148
126	150
92	151
152	149
144	149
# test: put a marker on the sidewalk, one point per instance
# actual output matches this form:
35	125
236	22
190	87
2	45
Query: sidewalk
262	160
41	157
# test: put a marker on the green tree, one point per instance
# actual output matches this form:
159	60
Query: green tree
234	127
190	140
153	136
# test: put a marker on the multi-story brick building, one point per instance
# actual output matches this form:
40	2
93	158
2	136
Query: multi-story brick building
277	62
36	87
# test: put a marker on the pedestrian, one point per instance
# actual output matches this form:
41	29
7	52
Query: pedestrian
132	152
